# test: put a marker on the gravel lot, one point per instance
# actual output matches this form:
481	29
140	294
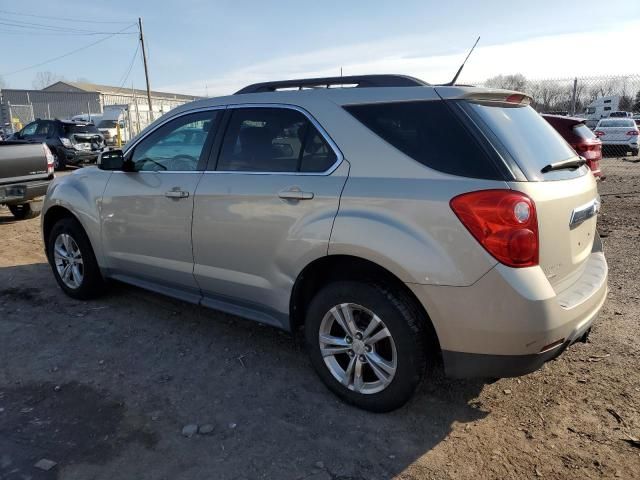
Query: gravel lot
104	388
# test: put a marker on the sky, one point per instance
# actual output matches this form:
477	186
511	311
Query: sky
215	47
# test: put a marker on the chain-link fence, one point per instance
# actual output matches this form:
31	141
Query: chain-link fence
20	115
592	98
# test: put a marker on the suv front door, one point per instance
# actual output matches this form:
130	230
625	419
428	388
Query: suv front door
147	213
264	210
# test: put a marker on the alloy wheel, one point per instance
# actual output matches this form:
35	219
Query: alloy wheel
357	348
68	260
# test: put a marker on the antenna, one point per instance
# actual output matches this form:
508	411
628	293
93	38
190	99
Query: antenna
455	78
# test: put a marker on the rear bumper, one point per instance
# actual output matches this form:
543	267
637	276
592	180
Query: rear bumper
631	144
18	193
77	157
511	321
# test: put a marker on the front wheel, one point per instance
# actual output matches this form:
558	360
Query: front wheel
24	211
72	260
634	153
367	344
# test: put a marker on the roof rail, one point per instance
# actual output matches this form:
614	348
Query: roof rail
357	80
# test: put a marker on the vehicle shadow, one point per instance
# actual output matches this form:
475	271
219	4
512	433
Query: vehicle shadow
169	364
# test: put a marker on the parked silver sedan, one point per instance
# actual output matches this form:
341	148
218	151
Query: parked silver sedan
619	133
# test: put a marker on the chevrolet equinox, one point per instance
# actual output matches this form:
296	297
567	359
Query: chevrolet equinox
396	222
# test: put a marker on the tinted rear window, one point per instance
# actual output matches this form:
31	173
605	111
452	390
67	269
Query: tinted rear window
108	124
616	123
81	128
528	138
430	133
584	132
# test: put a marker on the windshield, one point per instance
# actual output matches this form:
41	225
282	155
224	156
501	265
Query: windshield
527	138
616	123
107	124
80	128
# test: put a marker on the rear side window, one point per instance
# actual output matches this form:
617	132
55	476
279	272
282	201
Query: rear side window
430	133
584	132
273	140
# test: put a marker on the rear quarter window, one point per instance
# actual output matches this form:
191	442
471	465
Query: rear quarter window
430	133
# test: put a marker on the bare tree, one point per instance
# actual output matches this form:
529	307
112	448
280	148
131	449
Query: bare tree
636	102
44	79
516	81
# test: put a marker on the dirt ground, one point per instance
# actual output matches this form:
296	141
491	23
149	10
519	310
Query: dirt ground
104	388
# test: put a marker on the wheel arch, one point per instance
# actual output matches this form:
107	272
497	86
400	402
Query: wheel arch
330	268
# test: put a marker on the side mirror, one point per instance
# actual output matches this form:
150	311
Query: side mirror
114	160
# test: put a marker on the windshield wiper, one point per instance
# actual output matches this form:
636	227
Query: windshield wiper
565	164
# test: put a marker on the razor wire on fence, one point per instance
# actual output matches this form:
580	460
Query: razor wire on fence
591	98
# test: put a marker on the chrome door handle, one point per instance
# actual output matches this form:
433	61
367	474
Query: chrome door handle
176	194
295	194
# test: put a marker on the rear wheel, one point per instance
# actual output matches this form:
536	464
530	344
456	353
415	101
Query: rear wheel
366	343
72	260
25	211
59	162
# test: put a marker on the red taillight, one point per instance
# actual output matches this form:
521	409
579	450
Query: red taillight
515	98
599	133
504	222
590	151
50	160
632	132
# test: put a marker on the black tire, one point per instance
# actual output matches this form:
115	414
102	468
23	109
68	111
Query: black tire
59	162
25	211
403	320
634	153
92	284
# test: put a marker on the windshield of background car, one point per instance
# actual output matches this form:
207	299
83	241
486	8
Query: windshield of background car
107	124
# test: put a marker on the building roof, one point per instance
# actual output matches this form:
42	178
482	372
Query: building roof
66	86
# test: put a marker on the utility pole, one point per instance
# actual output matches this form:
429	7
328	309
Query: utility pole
146	71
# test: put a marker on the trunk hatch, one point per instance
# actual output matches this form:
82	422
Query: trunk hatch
566	199
564	247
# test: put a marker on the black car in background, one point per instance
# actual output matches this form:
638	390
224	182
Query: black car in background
72	143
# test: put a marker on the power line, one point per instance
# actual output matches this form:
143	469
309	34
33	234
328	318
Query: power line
64	19
61	31
133	59
62	34
64	55
40	26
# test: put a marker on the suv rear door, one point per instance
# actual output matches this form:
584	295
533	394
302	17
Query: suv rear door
264	209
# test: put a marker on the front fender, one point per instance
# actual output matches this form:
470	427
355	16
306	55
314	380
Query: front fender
81	194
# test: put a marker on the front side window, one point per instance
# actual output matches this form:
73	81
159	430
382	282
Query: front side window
273	140
29	130
176	146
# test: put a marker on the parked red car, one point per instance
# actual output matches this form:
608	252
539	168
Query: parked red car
581	138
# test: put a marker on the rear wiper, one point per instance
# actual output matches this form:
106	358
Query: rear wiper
565	164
